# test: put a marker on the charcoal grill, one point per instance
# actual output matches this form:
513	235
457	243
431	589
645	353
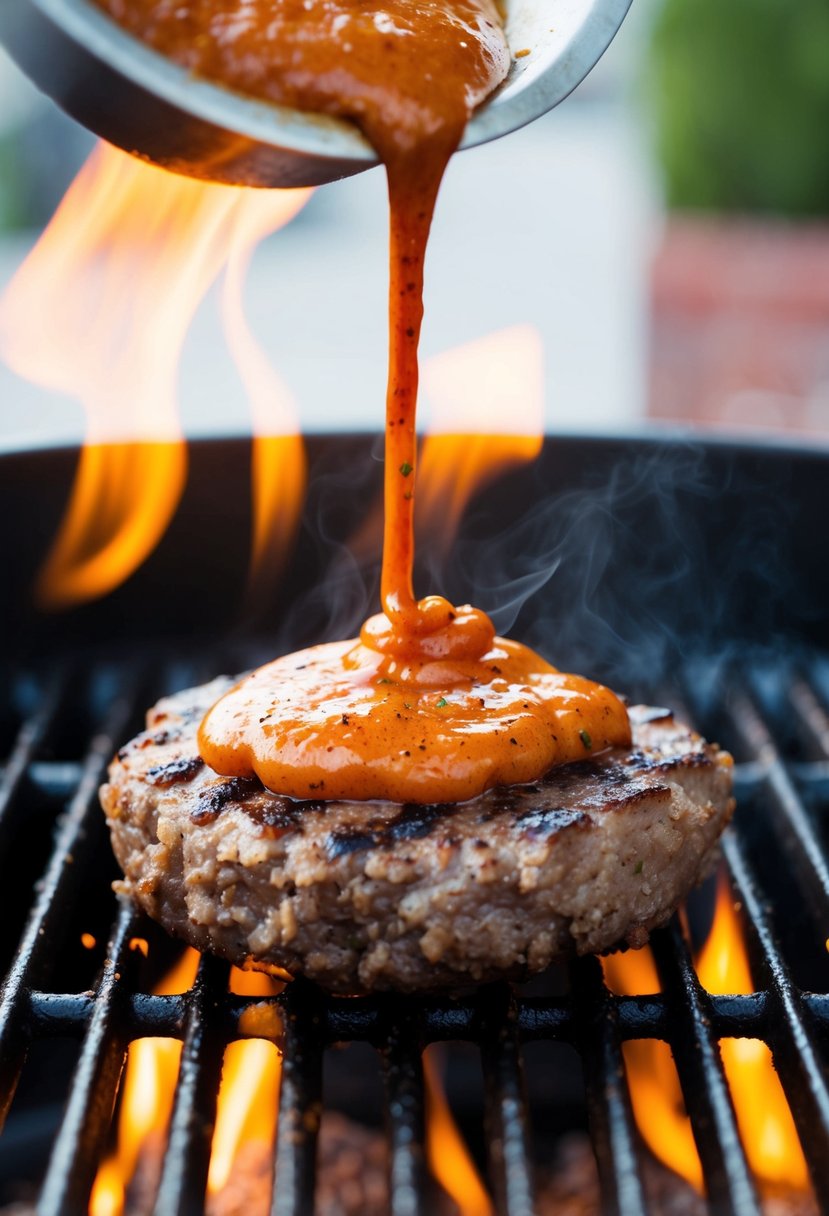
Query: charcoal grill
686	571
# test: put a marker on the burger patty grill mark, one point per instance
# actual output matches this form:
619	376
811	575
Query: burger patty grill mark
363	895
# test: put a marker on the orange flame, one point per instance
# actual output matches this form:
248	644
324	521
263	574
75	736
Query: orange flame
111	523
99	311
278	460
655	1093
487	399
446	1152
148	1089
249	1092
763	1115
248	1096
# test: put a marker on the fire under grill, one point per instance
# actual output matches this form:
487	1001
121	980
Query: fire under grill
51	776
69	1011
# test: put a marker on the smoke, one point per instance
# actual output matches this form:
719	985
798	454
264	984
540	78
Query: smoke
342	539
656	554
617	559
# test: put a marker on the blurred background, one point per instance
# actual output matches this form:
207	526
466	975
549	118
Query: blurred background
664	232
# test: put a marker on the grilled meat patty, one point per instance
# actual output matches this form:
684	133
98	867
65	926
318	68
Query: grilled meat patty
377	895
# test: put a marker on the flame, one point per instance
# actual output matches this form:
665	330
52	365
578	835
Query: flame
446	1152
278	458
763	1115
655	1092
487	400
148	1090
249	1092
99	311
248	1096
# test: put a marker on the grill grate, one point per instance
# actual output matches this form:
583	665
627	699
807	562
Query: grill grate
67	729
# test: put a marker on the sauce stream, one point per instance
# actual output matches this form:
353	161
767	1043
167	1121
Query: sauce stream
428	705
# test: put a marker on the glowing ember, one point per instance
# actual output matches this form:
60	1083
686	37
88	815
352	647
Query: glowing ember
487	401
763	1115
99	311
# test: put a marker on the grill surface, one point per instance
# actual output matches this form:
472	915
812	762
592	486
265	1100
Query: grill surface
775	718
647	540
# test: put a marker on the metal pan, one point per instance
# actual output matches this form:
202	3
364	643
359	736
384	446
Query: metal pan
146	104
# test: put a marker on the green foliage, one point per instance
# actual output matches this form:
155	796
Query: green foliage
12	208
740	92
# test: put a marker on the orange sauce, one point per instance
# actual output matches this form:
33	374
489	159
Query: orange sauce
345	721
428	705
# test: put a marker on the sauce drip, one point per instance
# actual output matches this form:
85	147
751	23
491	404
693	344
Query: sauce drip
428	705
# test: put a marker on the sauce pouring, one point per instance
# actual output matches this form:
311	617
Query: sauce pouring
428	705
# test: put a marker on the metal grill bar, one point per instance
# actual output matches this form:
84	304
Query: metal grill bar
184	1172
21	761
704	1087
83	1132
510	1159
74	848
789	1034
788	814
54	1014
300	1100
403	1077
66	1014
794	1023
608	1101
813	720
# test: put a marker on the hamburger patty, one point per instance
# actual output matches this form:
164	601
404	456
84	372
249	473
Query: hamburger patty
377	895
